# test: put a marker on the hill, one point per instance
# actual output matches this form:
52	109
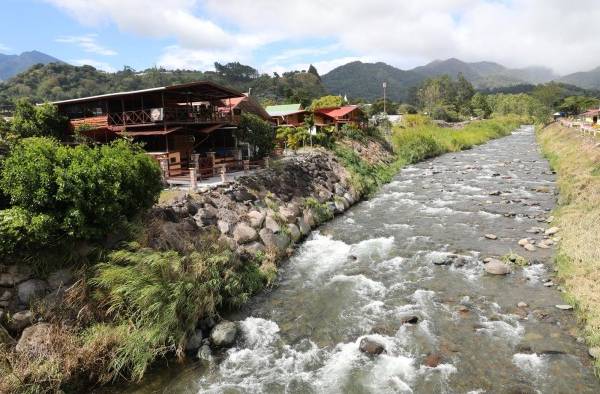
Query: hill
11	65
364	80
585	79
59	81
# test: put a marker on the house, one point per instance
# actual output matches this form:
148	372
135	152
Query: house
287	114
182	126
339	116
591	117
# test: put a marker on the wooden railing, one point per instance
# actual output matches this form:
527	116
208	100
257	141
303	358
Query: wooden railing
169	115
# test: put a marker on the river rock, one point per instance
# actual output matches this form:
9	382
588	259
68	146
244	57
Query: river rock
206	216
14	275
529	247
491	236
5	338
60	278
31	289
253	248
303	226
271	224
371	346
274	241
339	206
523	242
256	218
244	233
349	198
194	341
204	353
551	231
309	217
36	339
522	305
288	214
224	334
410	319
223	226
497	267
564	307
594	352
19	320
295	234
433	360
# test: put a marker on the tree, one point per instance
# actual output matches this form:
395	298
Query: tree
236	71
464	92
480	105
312	70
377	107
258	133
573	105
326	102
34	121
407	109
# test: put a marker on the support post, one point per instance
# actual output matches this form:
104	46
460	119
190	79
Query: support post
193	179
267	159
164	167
211	157
196	161
246	166
223	176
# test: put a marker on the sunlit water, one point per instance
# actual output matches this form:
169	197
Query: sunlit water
362	273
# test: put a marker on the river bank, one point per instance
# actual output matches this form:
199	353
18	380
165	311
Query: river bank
200	255
576	159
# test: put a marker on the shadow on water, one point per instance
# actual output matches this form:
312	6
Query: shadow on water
370	269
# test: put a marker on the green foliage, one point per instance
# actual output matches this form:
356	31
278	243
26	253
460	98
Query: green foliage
74	193
156	299
321	211
404	109
259	133
519	104
445	98
574	105
62	81
480	106
35	121
513	258
366	178
326	102
391	107
294	137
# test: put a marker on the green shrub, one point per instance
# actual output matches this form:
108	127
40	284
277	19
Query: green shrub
155	299
73	193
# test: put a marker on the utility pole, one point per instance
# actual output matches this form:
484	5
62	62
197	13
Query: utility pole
384	100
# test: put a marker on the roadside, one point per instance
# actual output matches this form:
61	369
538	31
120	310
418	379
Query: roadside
576	159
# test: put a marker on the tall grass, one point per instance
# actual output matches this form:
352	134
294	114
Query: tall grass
577	160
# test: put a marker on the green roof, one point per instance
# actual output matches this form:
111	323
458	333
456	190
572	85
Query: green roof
282	110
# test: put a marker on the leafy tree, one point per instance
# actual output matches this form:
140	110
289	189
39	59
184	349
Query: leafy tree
407	109
236	71
258	133
34	121
312	70
391	107
549	94
577	104
480	105
326	102
74	193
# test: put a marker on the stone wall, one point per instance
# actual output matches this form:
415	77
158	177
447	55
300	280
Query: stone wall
267	211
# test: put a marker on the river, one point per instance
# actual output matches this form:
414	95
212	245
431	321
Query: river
368	270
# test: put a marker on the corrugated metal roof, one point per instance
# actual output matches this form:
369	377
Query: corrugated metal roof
338	112
284	109
226	92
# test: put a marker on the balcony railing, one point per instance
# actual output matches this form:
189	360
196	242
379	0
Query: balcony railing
169	115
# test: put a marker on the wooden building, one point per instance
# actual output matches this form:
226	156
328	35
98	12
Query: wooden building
339	116
186	125
287	114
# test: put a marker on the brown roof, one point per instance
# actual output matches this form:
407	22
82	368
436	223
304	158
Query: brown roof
201	90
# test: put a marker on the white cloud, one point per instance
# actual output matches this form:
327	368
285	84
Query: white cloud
88	44
4	47
517	33
94	63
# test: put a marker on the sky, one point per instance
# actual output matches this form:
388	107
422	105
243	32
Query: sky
281	35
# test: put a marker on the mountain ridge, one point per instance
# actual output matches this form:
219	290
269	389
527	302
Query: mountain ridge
11	65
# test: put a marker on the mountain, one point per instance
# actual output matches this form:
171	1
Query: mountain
364	80
585	79
11	65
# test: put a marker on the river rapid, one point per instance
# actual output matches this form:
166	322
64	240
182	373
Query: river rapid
368	270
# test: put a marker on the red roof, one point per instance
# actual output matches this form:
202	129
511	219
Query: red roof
592	112
338	112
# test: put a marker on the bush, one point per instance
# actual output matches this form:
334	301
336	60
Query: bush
258	133
73	193
30	120
155	299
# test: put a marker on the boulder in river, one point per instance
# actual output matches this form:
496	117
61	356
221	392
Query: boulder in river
491	236
530	247
551	231
412	319
371	346
497	267
194	341
564	307
224	334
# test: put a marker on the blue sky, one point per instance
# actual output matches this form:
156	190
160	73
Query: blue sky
278	35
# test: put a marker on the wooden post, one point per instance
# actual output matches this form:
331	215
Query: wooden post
223	176
266	161
164	166
211	157
193	179
246	166
196	161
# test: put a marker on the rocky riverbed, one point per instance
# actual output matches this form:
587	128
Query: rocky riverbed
439	283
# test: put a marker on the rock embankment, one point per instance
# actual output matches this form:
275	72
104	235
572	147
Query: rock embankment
266	212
